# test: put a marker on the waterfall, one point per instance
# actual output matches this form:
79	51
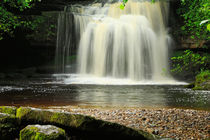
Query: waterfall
110	42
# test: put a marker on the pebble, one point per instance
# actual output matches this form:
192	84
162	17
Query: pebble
171	123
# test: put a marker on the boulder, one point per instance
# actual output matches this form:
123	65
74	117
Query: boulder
89	127
8	110
8	126
42	132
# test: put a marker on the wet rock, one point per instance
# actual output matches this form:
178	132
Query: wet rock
8	126
89	126
42	132
8	110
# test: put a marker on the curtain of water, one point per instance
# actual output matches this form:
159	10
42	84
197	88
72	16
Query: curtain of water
129	43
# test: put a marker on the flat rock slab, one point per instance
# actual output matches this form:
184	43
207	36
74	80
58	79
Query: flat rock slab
42	132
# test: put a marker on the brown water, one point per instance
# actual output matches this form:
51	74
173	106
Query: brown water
41	92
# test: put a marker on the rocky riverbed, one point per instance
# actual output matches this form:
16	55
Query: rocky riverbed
183	124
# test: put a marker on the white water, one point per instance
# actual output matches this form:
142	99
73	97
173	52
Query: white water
79	79
130	45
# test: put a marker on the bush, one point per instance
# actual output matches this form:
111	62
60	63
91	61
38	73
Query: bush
203	81
193	13
190	62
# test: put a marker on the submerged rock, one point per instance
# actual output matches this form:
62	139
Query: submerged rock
8	126
8	110
42	132
83	126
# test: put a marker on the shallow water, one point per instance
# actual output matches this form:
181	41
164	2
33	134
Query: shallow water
51	92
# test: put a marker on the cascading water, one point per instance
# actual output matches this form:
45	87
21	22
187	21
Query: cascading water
131	43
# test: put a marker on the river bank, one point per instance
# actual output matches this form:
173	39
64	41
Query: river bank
174	123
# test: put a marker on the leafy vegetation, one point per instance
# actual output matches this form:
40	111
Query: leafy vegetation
190	62
10	17
122	6
203	80
196	14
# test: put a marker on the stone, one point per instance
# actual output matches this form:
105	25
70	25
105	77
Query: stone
8	110
42	132
91	128
8	126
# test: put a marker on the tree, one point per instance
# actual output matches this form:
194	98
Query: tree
196	18
190	62
9	17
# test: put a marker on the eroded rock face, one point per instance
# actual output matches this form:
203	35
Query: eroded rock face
42	132
8	126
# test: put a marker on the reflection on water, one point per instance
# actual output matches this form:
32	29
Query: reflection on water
45	93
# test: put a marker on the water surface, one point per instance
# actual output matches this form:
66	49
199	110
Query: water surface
50	92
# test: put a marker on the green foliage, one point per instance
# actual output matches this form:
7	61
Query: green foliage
190	62
20	4
194	12
203	81
122	6
10	20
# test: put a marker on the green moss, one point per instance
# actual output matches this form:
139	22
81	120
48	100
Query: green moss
38	132
8	110
203	81
21	112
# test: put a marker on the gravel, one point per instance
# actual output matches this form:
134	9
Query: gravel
180	124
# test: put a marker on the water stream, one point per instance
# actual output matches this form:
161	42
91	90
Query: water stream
43	92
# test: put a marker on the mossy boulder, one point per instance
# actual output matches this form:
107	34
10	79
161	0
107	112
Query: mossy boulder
8	126
89	127
8	110
42	132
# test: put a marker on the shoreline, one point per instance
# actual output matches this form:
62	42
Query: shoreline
166	122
